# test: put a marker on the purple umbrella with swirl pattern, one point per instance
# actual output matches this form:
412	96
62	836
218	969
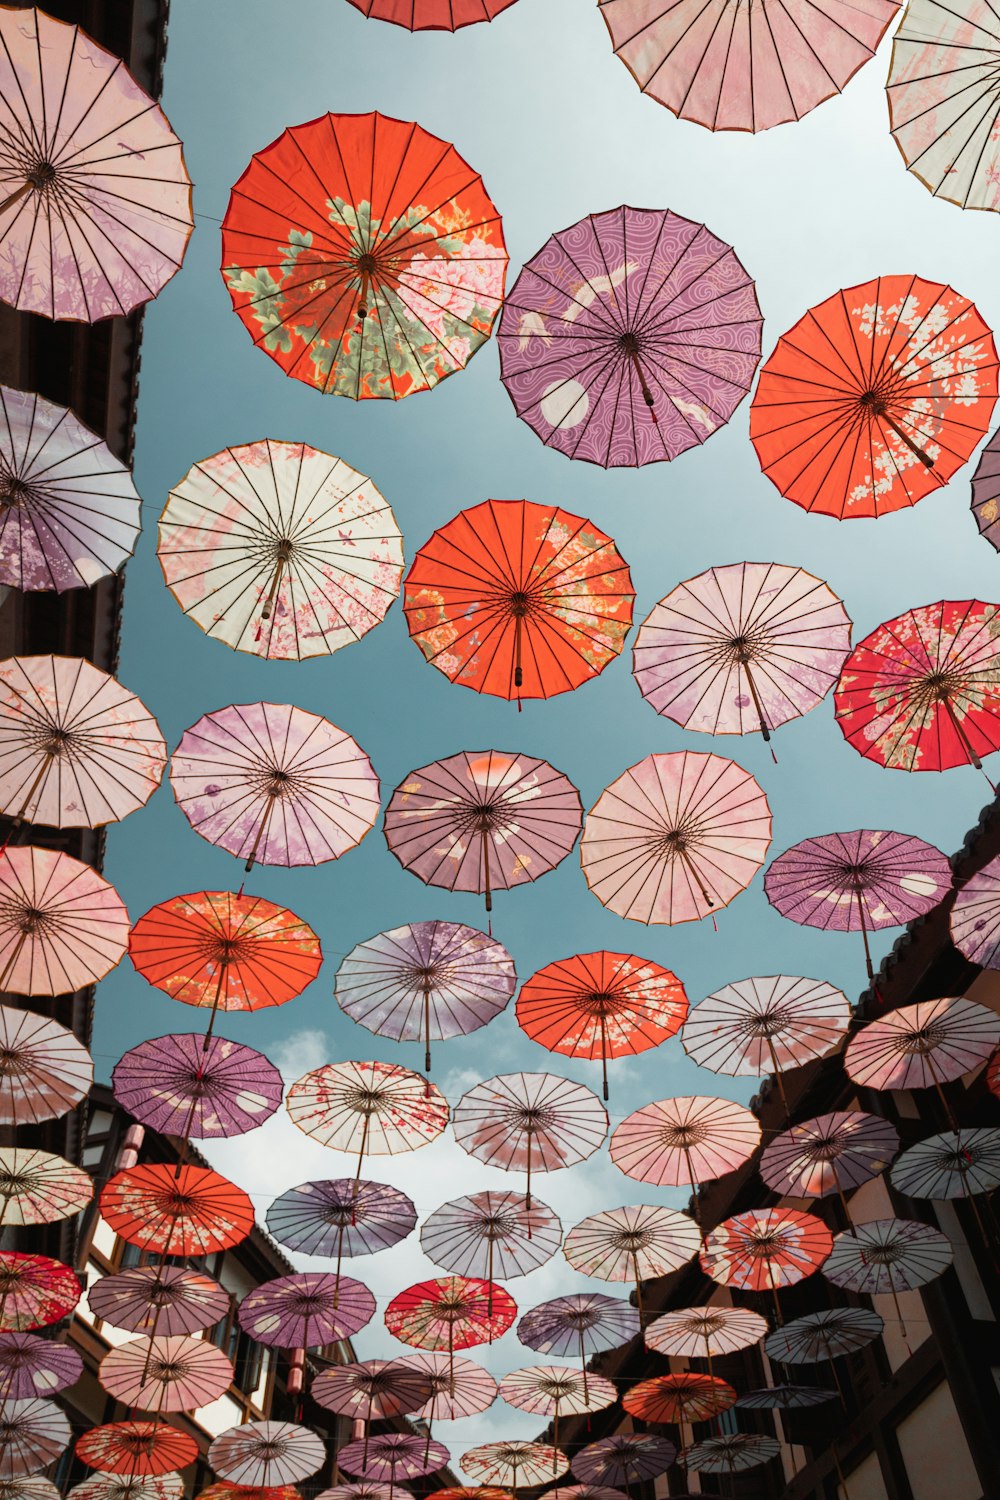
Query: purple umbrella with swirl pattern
975	917
630	337
305	1310
197	1086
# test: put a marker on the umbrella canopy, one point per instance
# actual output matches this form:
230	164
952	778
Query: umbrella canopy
389	1455
601	1005
344	1216
684	1142
280	550
581	1323
459	1387
483	820
975	916
69	512
176	1211
675	837
584	1492
35	1291
372	1389
172	1299
367	1107
224	1491
986	491
37	1187
519	600
685	1397
632	1244
361	1489
782	1397
626	1458
829	1154
29	1487
727	68
453	1312
629	337
823	1335
924	1045
765	1248
433	15
731	1454
491	1234
514	1463
364	255
306	1310
136	1449
62	927
126	1487
266	1453
44	1070
30	1366
530	1122
701	1332
274	785
427	980
556	1391
888	1255
741	649
875	397
954	1164
33	1435
166	1374
197	1087
95	201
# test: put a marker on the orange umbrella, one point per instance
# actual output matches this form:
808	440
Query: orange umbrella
875	397
601	1005
684	1397
136	1448
176	1210
519	600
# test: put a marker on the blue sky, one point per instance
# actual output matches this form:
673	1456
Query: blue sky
539	105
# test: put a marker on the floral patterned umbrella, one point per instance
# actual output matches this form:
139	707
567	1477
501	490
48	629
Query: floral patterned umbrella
829	1154
875	397
429	980
274	785
514	1464
742	648
986	491
823	1335
954	1164
525	1122
364	255
923	1046
33	1434
491	1234
453	1312
344	1216
95	201
30	1366
701	1332
432	15
305	1310
127	1487
166	1374
136	1449
684	1142
858	881
389	1455
682	1398
176	1210
584	1492
267	1453
975	917
888	1255
675	838
62	927
29	1487
459	1387
519	600
37	1187
372	1107
280	550
632	1244
629	337
581	1323
194	1087
765	1248
482	820
732	1453
627	1458
44	1070
171	1299
223	1491
35	1291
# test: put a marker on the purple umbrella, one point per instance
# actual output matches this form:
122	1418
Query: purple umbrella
393	1455
624	1459
341	1216
975	917
30	1366
630	337
859	881
986	491
197	1086
306	1310
582	1323
169	1300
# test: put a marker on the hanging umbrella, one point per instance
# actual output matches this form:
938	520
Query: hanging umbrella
823	1335
556	1391
675	838
172	1298
986	491
280	550
975	917
30	1366
601	1005
728	68
785	1397
223	951
305	1310
954	1164
44	1070
519	600
701	1332
625	1459
482	820
223	1491
197	1087
584	1492
432	15
39	1188
453	1312
69	512
857	882
345	1216
742	648
530	1122
389	1455
62	927
683	1398
632	1244
361	1489
372	1107
426	981
629	337
581	1323
875	397
266	1453
459	1387
491	1234
514	1464
95	201
274	785
137	1449
684	1142
829	1154
923	1046
732	1453
35	1291
364	255
888	1255
992	1076
765	1248
166	1374
29	1487
371	1390
124	1487
920	692
181	1210
33	1434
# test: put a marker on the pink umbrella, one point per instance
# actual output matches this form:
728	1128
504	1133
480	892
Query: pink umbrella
372	1107
482	820
859	881
345	1216
362	1489
975	917
525	1122
556	1391
201	1087
30	1366
829	1154
924	1045
267	1454
684	1142
372	1389
171	1299
306	1310
632	1244
273	784
33	1434
431	15
584	1492
392	1455
459	1387
37	1187
625	1459
44	1070
62	927
166	1374
491	1234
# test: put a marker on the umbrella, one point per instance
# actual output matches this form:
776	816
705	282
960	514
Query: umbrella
30	1366
955	1164
581	1323
632	1244
683	1398
823	1335
875	397
785	1397
392	1454
372	1107
584	1492
171	1299
197	1087
975	917
922	1046
305	1310
742	648
920	692
125	1487
514	1463
44	1070
992	1076
70	513
345	1216
765	1248
491	1234
729	68
62	927
731	1454
482	820
701	1332
555	1391
364	255
427	980
519	600
76	749
629	337
33	1435
888	1255
266	1453
460	1388
39	1188
280	550
29	1487
224	1491
684	1142
829	1154
361	1489
274	785
624	1459
601	1005
180	1210
471	1492
433	15
859	881
166	1374
986	491
675	838
530	1122
35	1291
95	201
371	1390
453	1312
137	1449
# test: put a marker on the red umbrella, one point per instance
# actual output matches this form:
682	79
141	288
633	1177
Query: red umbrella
176	1210
136	1448
765	1248
432	15
453	1312
35	1291
682	1398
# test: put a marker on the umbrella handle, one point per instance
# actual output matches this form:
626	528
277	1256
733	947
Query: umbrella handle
16	196
864	930
427	1026
265	820
778	1079
21	816
604	1054
486	870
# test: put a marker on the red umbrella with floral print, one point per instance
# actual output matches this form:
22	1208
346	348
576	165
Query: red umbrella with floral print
171	1299
181	1210
453	1312
30	1366
44	1070
765	1248
62	927
39	1188
306	1310
266	1454
224	1491
432	15
35	1291
166	1374
33	1434
136	1448
685	1397
368	1107
491	1234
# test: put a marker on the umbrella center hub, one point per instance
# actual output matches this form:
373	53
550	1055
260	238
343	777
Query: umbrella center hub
270	1448
278	783
57	741
283	549
922	1040
13	491
602	1003
771	1024
32	920
940	686
881	1255
367	263
41	175
629	344
635	1239
873	402
520	603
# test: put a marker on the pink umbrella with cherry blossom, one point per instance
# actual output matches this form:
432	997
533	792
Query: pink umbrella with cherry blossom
200	1087
431	15
44	1070
685	1141
166	1374
367	1107
513	1463
459	1387
305	1310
